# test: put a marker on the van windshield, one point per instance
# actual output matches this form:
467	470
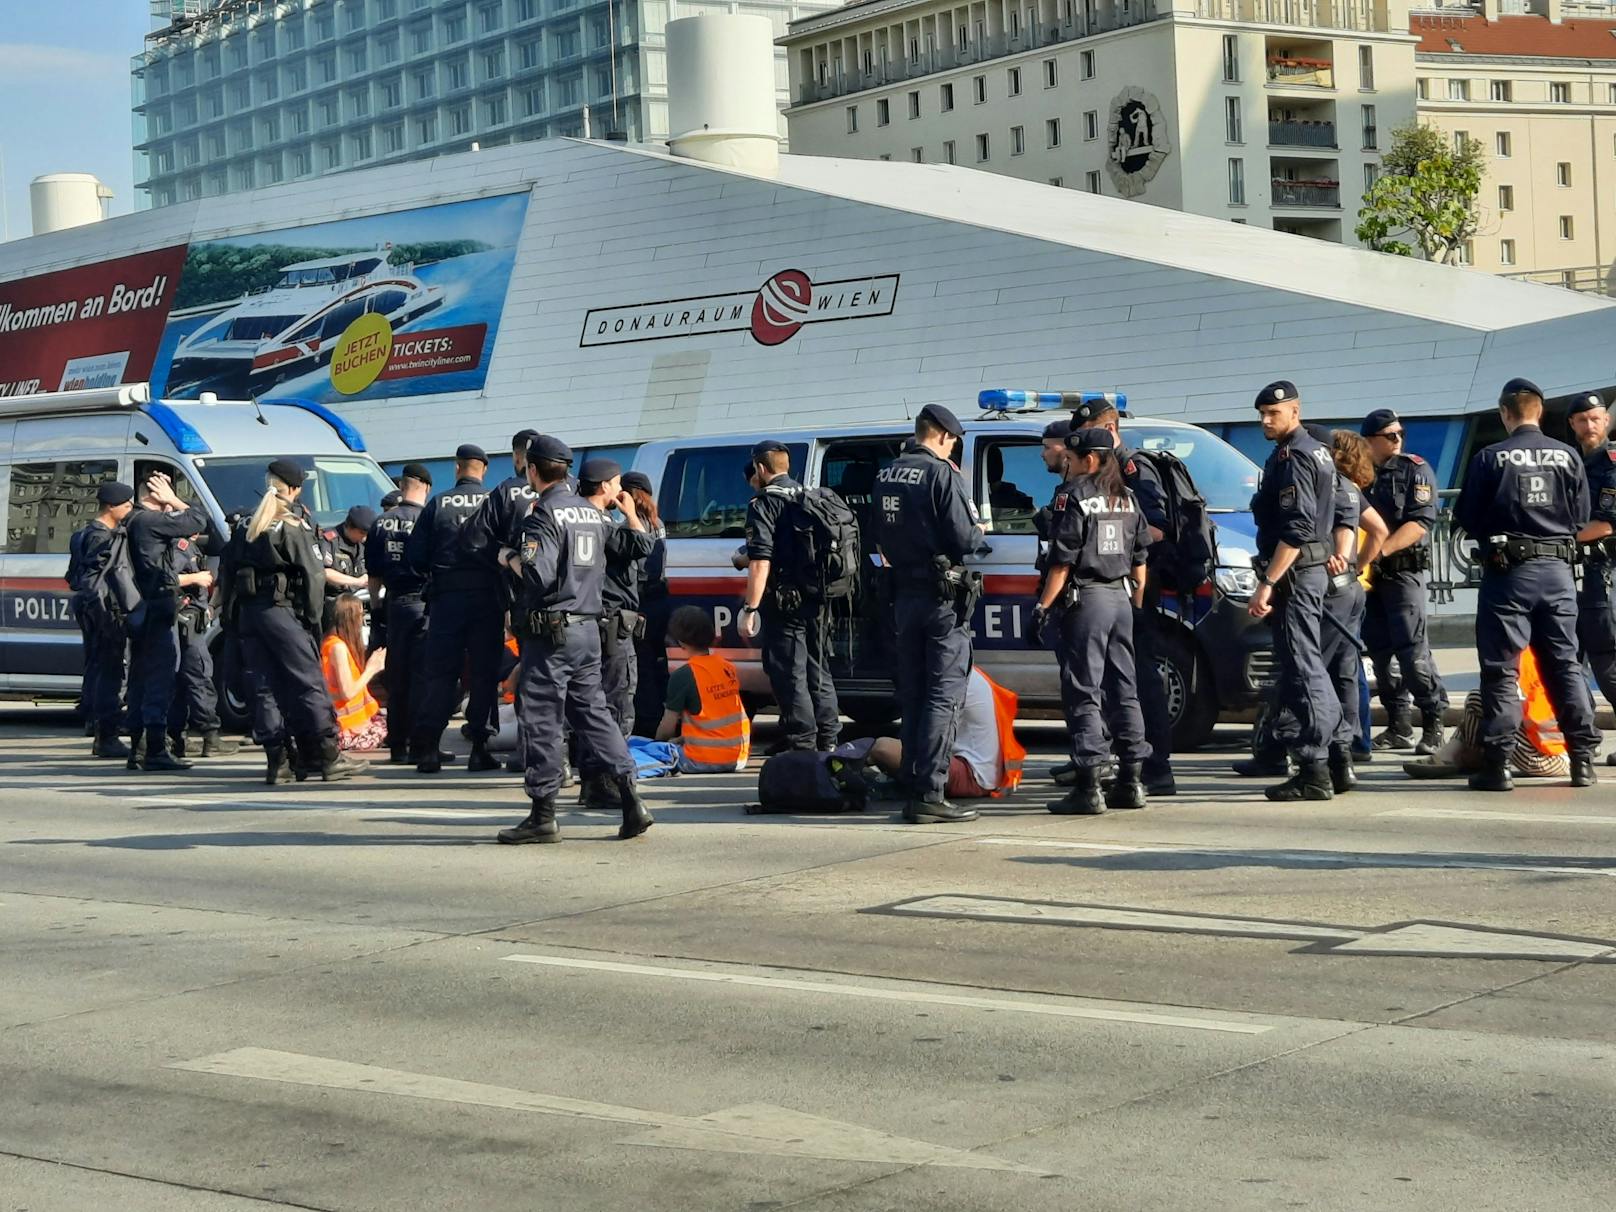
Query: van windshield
339	483
1225	477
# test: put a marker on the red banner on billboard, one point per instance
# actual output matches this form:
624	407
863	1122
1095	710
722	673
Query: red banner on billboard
436	351
95	326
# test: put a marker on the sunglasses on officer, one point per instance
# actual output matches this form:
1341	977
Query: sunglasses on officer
1389	435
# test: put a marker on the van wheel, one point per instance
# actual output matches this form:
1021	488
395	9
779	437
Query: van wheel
1192	699
230	681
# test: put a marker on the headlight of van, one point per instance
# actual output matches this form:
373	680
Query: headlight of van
1236	578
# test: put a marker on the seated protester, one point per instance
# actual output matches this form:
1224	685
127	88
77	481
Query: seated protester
361	721
1539	750
703	713
987	757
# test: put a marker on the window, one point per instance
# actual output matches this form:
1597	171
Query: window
1052	133
1237	182
526	10
1051	73
392	93
979	89
529	54
1012	482
362	145
1506	197
1231	121
454	28
1057	182
883	112
426	132
1091	181
1506	252
1560	94
493	64
1500	90
1231	58
392	139
1501	144
459	74
1014	78
1366	67
489	16
1422	88
49	501
1467	253
1018	140
1562	175
981	149
460	120
917	155
1085	65
359	103
356	60
1458	90
494	111
852	119
421	39
1371	174
914	105
1371	133
1460	138
1091	124
946	97
302	164
948	152
1567	231
704	495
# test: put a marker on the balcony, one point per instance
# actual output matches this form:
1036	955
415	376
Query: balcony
1301	73
1302	134
1319	193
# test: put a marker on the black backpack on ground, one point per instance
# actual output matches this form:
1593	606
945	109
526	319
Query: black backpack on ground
1191	539
802	781
828	538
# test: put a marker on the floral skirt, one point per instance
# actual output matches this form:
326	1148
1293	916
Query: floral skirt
362	740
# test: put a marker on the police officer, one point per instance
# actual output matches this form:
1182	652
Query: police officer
466	617
651	681
102	624
778	601
1094	577
1295	512
1146	486
563	564
196	698
1596	626
1525	500
925	525
628	546
160	523
343	548
267	725
1404	494
399	587
278	588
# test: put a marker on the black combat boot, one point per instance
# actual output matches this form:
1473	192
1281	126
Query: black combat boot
157	755
514	764
598	793
305	753
480	758
277	763
1494	774
1126	791
401	754
334	765
1065	774
1159	781
1268	764
176	743
636	816
1430	734
927	811
1399	732
108	744
1084	797
539	827
1310	782
1582	769
137	749
1343	778
214	744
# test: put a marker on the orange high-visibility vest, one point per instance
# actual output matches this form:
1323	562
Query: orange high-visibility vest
1542	729
509	696
352	714
720	735
1012	755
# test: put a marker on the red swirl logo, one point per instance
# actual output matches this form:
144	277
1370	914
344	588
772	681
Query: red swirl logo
781	307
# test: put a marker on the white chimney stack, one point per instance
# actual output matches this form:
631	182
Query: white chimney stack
721	98
63	200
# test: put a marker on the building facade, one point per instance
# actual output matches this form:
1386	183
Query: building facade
231	95
1271	113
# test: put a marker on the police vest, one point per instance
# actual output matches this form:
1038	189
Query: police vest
352	714
1011	753
720	735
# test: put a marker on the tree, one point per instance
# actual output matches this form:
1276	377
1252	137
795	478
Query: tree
1425	202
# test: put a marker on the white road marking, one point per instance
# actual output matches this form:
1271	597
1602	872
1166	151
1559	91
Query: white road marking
1431	938
757	1128
1115	918
1479	814
1118	1012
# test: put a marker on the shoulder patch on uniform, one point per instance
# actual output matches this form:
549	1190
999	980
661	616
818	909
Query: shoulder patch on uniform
530	550
1607	500
1059	502
1129	468
1287	497
1422	493
1612	453
1414	458
1284	452
184	544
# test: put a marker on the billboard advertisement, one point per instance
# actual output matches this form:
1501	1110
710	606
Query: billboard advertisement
401	304
95	326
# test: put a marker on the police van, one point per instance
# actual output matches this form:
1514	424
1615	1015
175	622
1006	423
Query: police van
56	449
1218	659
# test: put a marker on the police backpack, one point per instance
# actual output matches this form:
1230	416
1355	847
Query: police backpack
110	595
828	535
802	781
1191	540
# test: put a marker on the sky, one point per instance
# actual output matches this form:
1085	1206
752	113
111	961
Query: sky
64	89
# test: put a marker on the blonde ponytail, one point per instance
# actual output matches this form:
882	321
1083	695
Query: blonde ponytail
271	509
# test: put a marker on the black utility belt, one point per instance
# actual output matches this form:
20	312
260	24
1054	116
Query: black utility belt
1599	552
1503	553
554	624
1410	559
1308	555
414	595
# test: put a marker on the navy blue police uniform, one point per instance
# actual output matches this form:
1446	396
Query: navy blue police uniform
153	535
404	607
926	525
196	698
1295	505
267	726
465	620
563	564
793	642
651	679
621	622
1596	622
106	639
344	555
1394	626
1523	500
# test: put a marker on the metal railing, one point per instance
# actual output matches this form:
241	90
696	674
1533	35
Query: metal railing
1306	193
1590	279
1302	134
1303	75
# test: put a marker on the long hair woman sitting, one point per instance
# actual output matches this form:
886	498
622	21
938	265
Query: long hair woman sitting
361	720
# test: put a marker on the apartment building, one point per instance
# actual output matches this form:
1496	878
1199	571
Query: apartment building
1271	113
1538	91
232	95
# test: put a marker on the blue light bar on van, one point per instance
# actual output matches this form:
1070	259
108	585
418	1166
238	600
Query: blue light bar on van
1004	399
351	437
179	431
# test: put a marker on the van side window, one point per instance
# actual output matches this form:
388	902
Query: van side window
1011	484
850	468
182	486
49	501
704	493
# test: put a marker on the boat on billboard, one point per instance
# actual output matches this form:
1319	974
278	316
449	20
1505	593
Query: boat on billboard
400	304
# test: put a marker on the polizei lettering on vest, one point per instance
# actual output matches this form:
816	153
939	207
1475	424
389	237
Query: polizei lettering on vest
1533	458
577	515
1094	505
903	475
460	500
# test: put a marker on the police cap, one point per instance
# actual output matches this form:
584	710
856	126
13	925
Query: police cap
1586	402
637	479
114	493
469	451
1057	430
943	419
1086	412
392	499
522	437
288	473
416	471
1089	441
1519	387
766	447
1378	421
1277	392
360	517
552	449
1319	433
598	471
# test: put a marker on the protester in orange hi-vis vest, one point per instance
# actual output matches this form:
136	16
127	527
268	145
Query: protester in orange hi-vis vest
1539	750
361	722
703	713
987	758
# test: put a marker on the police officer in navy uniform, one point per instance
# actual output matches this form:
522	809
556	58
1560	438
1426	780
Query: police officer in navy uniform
343	548
1525	500
103	629
1295	512
466	617
778	600
925	526
399	588
1404	494
562	562
628	546
1596	623
1145	484
196	697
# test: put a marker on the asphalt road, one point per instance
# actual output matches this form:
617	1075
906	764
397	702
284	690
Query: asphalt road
218	995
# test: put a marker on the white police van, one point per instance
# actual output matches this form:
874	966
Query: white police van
56	449
1219	659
